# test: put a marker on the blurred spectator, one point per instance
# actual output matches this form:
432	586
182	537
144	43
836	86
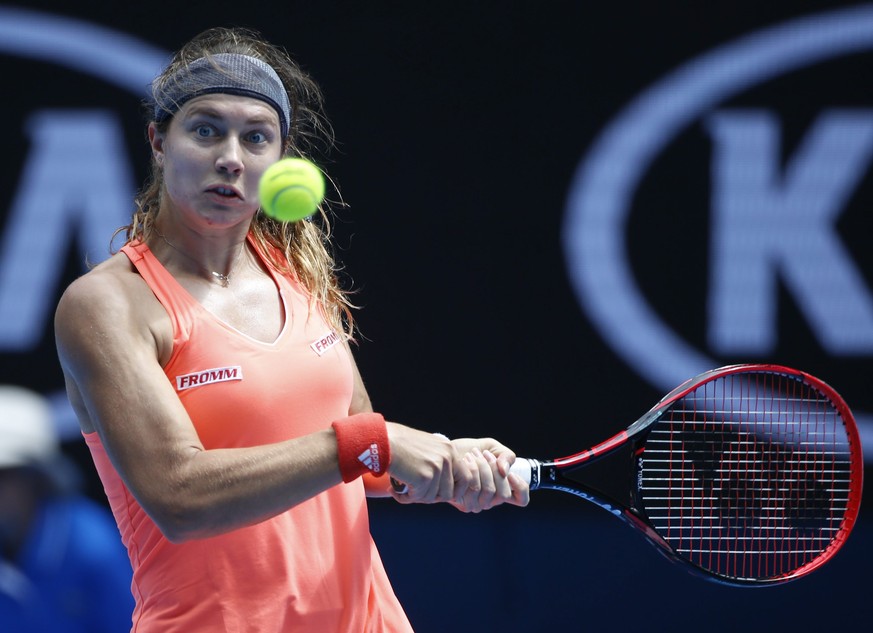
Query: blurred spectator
62	566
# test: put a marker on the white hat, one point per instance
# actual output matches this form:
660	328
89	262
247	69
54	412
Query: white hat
27	434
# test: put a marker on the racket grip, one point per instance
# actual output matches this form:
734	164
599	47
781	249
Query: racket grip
528	470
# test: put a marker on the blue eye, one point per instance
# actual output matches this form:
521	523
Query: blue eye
257	137
204	130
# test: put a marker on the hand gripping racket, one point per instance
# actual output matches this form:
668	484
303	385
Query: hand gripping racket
749	474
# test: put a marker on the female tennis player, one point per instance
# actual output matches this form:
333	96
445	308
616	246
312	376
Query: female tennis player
209	364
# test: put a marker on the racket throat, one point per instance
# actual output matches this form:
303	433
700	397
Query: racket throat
547	476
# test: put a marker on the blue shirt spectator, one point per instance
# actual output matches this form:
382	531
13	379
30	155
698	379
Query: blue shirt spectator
62	566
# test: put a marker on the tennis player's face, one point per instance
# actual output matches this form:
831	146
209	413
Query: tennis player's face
213	155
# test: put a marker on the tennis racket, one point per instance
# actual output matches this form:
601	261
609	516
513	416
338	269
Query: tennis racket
748	474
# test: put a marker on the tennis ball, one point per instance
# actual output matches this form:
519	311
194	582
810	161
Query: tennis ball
291	189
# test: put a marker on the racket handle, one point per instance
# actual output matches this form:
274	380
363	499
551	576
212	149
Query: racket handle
528	470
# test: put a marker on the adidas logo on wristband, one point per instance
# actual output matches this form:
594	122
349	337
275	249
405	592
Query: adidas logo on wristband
362	445
370	458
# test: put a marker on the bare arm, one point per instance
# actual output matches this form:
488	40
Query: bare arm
112	336
109	346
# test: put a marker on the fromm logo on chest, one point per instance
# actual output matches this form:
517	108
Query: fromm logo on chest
324	343
208	376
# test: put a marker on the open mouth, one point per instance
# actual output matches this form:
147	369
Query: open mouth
225	192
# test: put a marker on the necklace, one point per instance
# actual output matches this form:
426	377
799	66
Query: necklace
222	278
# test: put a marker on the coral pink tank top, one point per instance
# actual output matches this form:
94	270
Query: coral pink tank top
313	568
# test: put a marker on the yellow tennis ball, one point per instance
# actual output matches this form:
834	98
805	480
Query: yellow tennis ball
291	189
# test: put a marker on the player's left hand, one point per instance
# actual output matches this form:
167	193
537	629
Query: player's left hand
491	483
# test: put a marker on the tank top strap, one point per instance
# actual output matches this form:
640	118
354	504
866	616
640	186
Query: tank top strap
179	304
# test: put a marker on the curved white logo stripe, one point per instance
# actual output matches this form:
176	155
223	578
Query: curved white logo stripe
600	195
118	58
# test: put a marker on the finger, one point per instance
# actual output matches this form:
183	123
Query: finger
403	496
465	478
520	490
505	458
452	475
487	476
470	497
502	489
482	475
461	499
420	488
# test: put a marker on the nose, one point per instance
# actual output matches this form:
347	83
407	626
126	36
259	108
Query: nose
229	159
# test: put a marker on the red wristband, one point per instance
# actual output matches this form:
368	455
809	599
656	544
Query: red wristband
362	445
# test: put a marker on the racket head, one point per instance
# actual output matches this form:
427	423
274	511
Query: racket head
752	474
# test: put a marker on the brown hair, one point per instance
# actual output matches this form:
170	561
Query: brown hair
299	248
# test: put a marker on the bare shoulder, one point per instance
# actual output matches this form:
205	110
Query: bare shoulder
103	281
108	305
104	293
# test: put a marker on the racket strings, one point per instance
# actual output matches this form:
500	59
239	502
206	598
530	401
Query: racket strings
748	475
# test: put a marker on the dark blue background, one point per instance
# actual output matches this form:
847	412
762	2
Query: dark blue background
460	125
